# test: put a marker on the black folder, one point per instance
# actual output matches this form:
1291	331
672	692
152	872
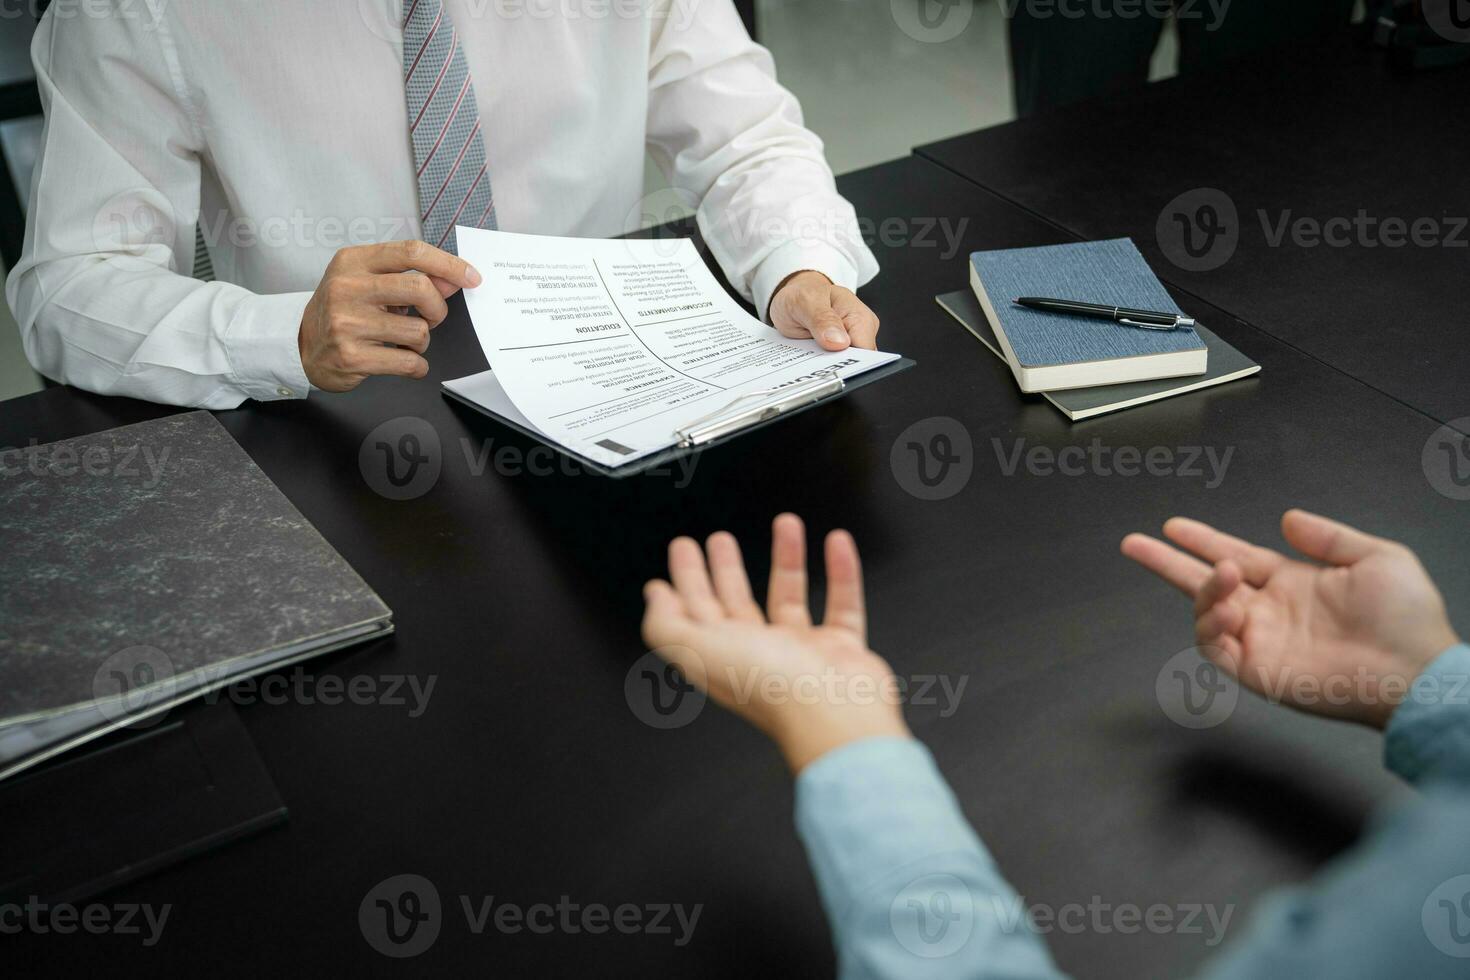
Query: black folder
673	453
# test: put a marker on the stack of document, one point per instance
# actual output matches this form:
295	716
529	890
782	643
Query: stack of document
626	353
1087	366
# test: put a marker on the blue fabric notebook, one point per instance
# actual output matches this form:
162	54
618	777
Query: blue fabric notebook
1055	351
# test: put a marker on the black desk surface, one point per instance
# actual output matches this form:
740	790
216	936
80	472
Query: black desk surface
528	778
1311	132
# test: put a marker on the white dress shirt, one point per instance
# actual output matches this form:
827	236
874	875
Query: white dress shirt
280	128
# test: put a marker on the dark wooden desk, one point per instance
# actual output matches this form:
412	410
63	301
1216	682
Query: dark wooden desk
1304	137
528	778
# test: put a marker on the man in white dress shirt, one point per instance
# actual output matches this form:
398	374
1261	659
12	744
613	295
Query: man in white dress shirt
325	151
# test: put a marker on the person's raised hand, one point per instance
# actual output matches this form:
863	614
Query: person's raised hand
373	310
809	687
1344	638
808	304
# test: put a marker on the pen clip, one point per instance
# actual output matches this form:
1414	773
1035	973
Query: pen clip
1177	324
722	422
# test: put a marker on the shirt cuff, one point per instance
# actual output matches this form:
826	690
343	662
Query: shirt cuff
263	349
794	257
1428	737
872	808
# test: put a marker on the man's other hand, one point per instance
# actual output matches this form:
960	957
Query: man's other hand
807	304
373	311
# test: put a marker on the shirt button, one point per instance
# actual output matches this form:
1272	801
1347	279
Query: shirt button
285	392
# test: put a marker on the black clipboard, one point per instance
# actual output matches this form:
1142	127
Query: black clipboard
760	415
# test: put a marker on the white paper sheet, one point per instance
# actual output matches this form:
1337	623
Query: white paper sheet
609	347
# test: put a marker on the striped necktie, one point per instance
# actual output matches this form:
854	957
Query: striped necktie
444	122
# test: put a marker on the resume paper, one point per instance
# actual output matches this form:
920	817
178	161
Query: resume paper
611	348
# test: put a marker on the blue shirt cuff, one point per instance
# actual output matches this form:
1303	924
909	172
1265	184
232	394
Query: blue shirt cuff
871	809
1428	737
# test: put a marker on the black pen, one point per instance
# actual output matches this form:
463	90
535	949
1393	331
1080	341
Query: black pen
1143	319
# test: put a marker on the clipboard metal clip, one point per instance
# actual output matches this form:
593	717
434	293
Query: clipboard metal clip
772	402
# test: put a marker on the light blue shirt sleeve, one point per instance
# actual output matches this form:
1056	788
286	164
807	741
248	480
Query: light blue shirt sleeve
1428	737
912	893
909	889
1398	905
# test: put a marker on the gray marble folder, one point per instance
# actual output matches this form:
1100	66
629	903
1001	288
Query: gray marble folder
146	565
